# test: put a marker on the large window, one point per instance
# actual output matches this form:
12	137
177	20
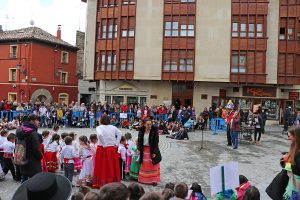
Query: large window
108	61
186	65
64	57
109	29
64	78
247	30
127	2
235	29
187	30
126	60
238	63
171	29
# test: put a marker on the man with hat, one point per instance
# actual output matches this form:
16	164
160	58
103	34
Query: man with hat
28	132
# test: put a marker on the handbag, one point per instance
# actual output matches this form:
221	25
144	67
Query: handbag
277	187
157	158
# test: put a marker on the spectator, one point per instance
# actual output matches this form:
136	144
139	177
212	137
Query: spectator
180	191
244	185
136	191
92	196
151	196
167	194
197	192
52	186
115	191
170	185
28	132
77	196
252	193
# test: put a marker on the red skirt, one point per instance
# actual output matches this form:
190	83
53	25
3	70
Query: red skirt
149	173
107	167
77	164
128	163
51	161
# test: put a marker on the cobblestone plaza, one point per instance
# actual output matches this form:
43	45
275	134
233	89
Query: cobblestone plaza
182	160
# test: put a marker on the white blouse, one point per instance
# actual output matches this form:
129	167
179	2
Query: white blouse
146	139
52	147
108	135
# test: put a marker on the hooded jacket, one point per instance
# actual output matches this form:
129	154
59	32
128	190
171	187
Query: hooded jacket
28	131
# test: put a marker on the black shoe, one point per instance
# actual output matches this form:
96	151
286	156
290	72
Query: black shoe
154	184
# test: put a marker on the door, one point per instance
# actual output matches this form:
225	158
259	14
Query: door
182	93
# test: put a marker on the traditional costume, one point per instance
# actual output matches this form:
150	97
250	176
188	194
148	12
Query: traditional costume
107	167
51	150
229	116
86	155
77	161
135	164
67	155
122	160
130	145
8	149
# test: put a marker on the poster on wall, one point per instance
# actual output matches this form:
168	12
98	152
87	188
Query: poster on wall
256	91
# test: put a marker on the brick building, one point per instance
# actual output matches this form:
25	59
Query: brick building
37	65
202	52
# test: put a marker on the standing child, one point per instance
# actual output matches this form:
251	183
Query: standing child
135	163
3	138
85	154
51	150
54	130
92	118
46	137
93	145
62	144
77	161
122	159
67	155
8	149
130	145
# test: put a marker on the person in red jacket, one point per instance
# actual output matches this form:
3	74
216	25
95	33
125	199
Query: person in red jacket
7	106
124	107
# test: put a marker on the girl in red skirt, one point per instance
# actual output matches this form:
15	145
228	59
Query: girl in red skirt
51	150
107	167
150	156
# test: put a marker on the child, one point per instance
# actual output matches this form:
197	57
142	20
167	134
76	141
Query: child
92	118
135	163
122	159
3	138
42	148
51	150
244	185
54	130
67	155
130	145
46	137
77	161
197	192
62	144
8	149
85	154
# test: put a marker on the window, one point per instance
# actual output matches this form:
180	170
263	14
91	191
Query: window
243	30
251	30
282	33
238	63
102	62
114	59
187	30
108	66
126	2
126	66
109	3
186	65
64	57
187	1
12	75
13	51
98	62
259	30
235	31
166	66
171	29
118	99
103	35
64	78
143	101
290	33
129	33
12	96
63	98
108	99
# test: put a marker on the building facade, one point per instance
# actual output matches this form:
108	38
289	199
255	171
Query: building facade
202	52
37	65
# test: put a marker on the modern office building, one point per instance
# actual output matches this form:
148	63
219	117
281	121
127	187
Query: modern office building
202	52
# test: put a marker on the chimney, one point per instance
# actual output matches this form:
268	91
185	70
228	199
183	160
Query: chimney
58	33
1	30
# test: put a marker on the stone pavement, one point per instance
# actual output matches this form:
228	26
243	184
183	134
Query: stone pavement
182	160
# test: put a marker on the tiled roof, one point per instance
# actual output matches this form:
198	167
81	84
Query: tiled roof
32	33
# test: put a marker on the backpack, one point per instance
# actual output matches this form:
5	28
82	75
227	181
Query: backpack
20	152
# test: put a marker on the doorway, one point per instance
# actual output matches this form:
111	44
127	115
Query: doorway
182	93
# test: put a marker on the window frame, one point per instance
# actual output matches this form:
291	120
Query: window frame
12	93
66	81
10	75
63	60
13	54
239	67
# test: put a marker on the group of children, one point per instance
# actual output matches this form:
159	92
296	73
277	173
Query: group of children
63	150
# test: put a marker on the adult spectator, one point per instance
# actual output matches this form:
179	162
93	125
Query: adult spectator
20	107
115	191
28	132
180	191
136	191
205	115
107	156
252	193
150	156
2	104
151	196
43	111
235	128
